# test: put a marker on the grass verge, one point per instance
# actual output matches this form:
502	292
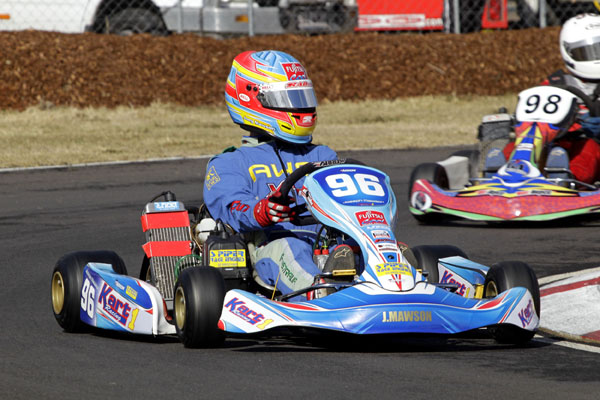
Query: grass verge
63	136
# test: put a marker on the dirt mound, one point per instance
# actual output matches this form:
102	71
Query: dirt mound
105	70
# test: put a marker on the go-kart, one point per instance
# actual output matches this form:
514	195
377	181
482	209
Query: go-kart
200	285
530	186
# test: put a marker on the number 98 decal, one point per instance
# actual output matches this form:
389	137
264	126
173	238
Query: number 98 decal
544	104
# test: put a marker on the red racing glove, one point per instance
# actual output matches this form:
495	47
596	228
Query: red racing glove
272	210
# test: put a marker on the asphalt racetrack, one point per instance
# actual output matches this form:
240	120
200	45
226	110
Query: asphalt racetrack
47	213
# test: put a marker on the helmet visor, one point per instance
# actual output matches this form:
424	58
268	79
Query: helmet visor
288	95
585	50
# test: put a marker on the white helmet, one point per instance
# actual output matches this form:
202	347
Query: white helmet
580	45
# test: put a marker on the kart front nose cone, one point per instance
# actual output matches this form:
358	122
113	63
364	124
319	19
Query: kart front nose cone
179	304
58	292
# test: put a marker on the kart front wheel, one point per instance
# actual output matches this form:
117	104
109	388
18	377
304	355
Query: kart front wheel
427	257
198	302
67	279
434	173
501	277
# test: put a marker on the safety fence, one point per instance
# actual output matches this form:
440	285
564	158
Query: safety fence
254	17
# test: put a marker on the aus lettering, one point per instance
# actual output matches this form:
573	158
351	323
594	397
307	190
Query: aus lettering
272	170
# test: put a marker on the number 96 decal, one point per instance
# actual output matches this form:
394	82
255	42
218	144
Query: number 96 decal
88	298
354	187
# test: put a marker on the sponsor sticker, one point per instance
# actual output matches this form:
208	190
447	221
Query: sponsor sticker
406	316
211	177
449	277
131	292
370	217
227	258
238	206
166	205
387	247
380	234
239	308
115	306
392	269
294	70
526	314
421	200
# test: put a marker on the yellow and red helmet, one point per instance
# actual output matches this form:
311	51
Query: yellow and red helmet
269	91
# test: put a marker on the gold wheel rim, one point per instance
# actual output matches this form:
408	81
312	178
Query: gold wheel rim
491	290
58	292
180	308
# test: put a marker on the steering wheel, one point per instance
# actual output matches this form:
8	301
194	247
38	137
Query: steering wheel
295	176
592	106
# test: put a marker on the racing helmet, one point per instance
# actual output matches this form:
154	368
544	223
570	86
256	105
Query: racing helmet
580	45
269	92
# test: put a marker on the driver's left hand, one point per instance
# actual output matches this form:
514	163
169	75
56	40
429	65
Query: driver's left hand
590	125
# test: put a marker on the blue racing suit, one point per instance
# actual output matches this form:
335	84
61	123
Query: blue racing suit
236	181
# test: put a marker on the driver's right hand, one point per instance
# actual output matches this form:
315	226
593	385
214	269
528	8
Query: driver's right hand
273	209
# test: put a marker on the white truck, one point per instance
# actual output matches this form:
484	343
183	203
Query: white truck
159	17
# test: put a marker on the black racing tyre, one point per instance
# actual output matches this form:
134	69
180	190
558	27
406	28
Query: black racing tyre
67	279
145	272
267	3
427	257
130	21
198	302
501	277
434	173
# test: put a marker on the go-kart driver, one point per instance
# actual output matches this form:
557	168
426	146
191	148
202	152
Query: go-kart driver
580	49
270	96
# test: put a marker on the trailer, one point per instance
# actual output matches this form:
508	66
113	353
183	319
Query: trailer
461	16
161	17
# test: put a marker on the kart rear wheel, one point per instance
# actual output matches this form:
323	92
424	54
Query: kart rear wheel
198	302
501	277
427	257
145	271
67	279
434	173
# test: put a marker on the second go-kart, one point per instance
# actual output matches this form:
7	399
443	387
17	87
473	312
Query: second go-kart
534	184
203	287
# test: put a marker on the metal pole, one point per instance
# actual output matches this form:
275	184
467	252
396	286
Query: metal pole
542	10
250	18
180	17
456	16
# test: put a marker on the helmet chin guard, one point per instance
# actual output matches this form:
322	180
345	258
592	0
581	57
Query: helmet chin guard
269	91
